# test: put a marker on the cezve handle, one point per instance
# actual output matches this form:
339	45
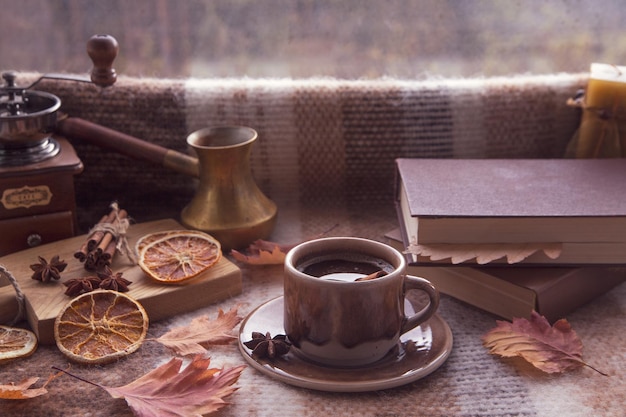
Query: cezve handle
83	130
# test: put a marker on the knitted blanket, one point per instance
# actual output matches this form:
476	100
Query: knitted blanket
319	139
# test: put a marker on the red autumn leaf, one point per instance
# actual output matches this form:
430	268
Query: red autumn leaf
165	392
21	391
262	252
200	333
551	349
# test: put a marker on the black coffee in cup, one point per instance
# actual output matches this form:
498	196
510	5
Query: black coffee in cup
344	266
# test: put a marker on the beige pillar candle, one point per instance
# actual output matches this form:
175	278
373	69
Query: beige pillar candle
602	132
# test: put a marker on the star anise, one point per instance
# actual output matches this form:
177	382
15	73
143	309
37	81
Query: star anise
111	281
45	272
78	286
266	346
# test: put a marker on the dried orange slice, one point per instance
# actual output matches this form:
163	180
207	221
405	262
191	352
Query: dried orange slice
176	256
100	326
151	237
16	343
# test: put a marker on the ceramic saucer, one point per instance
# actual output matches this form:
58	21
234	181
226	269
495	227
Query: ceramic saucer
419	353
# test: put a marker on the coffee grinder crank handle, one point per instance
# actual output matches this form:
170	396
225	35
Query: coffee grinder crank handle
103	49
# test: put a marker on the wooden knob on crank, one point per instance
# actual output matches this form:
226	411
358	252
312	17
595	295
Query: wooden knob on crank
102	49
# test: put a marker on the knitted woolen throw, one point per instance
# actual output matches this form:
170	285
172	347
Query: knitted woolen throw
319	139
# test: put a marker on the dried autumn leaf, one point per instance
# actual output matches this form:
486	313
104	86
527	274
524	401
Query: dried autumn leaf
262	252
552	349
201	332
22	391
484	253
165	392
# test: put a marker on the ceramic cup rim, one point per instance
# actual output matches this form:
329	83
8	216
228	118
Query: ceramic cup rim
329	245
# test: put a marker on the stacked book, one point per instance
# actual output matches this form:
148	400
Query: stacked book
513	235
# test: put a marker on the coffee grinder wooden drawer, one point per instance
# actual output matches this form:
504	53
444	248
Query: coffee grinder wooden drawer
29	231
37	202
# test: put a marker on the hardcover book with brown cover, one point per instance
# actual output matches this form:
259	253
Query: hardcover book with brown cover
513	200
512	292
515	291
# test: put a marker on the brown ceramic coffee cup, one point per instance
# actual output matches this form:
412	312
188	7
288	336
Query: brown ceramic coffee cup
339	310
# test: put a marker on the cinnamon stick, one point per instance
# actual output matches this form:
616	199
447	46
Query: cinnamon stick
106	239
93	239
106	257
87	246
91	263
372	276
97	235
81	254
108	236
99	248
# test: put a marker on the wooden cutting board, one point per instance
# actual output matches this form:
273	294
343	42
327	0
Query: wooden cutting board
45	301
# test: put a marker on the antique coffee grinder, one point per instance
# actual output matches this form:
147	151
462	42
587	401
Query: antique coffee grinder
38	163
37	166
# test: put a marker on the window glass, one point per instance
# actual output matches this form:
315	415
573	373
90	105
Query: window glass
307	38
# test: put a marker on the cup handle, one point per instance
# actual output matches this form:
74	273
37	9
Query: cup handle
417	283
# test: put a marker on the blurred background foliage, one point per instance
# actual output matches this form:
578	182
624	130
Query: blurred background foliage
309	38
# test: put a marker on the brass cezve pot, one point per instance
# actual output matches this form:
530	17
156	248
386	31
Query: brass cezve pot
228	204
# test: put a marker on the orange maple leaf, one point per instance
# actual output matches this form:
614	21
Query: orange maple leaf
262	252
193	338
551	349
169	392
21	391
265	252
